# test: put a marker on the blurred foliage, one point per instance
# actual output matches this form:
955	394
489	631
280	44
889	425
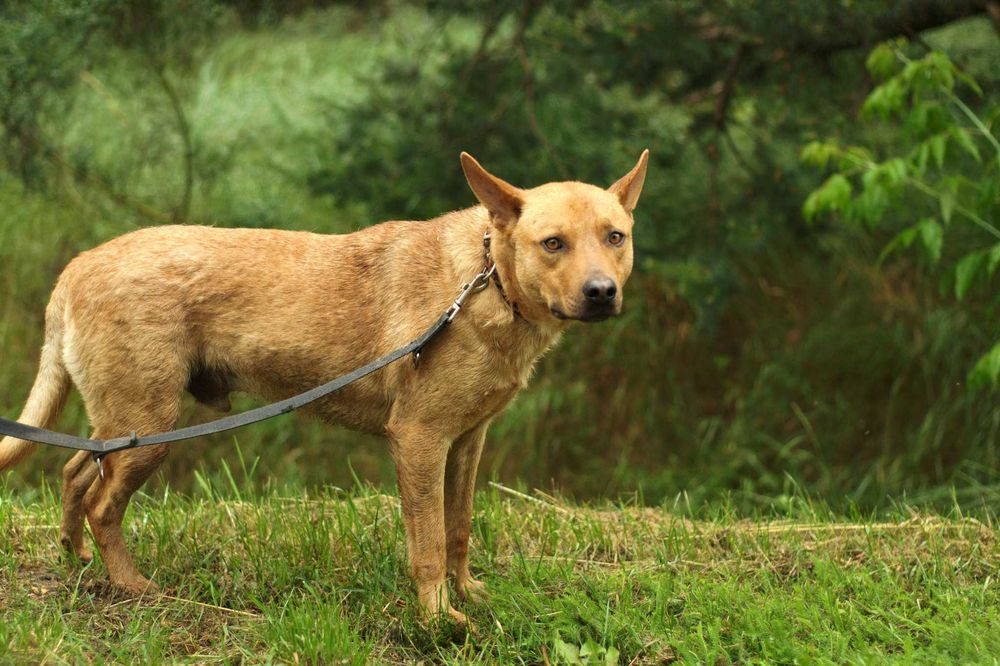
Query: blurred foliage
952	157
758	352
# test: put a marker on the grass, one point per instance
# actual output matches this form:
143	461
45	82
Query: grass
264	577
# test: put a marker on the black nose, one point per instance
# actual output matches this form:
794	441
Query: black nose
600	291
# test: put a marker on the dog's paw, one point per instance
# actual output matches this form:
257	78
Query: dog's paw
472	590
434	605
80	552
138	585
457	617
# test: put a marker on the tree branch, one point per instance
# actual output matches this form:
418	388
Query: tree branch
902	19
183	209
728	86
81	175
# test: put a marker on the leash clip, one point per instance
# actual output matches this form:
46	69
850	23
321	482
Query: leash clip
478	283
133	440
474	286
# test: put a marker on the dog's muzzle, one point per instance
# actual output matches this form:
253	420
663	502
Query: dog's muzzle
598	303
589	313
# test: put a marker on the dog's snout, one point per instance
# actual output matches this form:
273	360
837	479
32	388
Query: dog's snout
600	290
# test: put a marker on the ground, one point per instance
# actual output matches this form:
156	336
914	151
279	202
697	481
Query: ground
266	577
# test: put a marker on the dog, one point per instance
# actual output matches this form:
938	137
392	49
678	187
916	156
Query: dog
139	320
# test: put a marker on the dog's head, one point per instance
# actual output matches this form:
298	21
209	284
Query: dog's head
563	250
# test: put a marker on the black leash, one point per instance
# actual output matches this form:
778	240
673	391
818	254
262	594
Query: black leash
102	447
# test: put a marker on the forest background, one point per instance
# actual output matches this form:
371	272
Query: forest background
814	307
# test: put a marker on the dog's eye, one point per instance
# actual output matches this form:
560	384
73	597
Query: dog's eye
553	244
616	238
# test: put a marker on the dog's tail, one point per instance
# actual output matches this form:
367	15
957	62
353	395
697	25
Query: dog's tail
48	395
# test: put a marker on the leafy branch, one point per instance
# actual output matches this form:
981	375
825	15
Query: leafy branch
923	94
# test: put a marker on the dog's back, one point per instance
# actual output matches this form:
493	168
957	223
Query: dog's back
216	310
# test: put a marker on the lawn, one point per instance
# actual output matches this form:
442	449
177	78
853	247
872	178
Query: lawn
278	577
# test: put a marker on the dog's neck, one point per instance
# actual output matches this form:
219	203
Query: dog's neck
514	327
491	267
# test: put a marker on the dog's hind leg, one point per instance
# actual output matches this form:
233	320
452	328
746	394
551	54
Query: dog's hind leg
131	378
146	403
459	488
107	499
78	475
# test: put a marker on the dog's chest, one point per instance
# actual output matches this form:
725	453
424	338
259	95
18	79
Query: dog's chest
474	381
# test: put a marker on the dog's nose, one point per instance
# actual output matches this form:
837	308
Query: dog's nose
600	290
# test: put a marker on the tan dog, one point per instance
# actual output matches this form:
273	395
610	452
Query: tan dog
139	320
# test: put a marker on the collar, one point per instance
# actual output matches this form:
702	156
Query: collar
491	268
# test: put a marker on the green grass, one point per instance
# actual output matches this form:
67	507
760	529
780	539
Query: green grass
267	577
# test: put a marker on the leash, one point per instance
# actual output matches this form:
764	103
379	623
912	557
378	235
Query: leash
101	447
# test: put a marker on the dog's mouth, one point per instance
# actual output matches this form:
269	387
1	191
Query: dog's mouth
587	317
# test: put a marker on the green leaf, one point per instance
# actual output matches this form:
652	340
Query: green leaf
938	144
819	153
992	259
931	237
611	657
567	653
885	100
894	171
942	68
833	195
966	271
969	81
869	206
987	191
986	372
589	649
855	155
813	205
914	70
948	189
903	240
964	139
917	119
947	202
920	156
882	61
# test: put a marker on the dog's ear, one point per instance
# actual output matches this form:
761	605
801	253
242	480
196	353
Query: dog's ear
502	200
628	187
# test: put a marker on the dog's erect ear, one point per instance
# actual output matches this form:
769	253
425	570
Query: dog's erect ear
629	186
502	200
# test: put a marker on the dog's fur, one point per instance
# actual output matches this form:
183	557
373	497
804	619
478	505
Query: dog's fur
139	320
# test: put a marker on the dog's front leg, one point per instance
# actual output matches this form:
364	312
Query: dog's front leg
420	453
460	485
